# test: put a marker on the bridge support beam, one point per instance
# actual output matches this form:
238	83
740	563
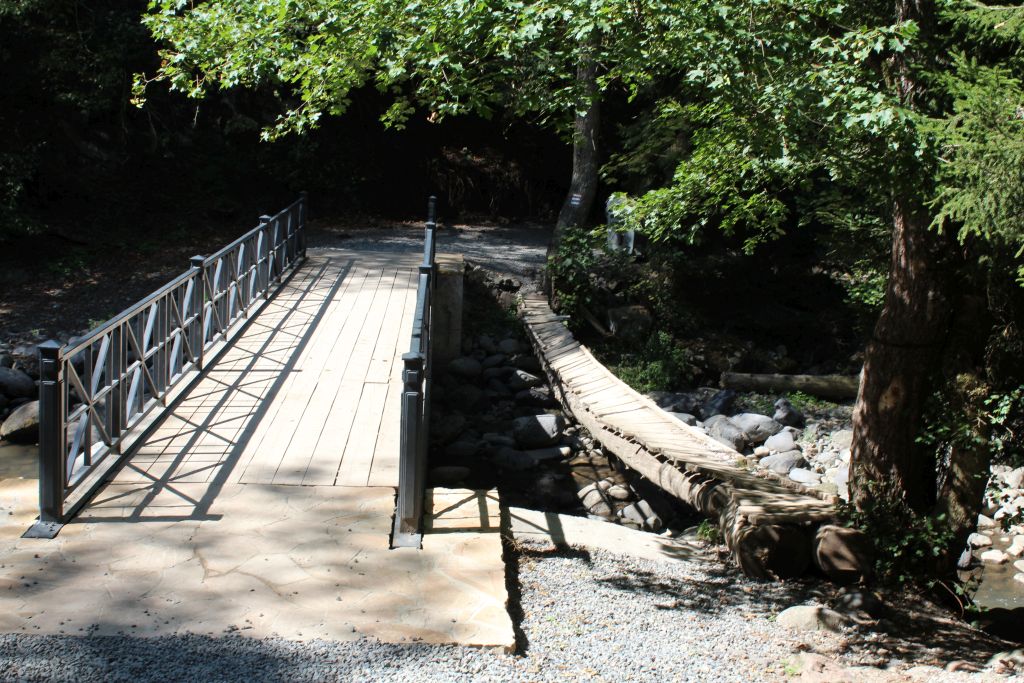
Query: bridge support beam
446	327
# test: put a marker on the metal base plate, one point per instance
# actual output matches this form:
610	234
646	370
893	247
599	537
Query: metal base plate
40	529
406	540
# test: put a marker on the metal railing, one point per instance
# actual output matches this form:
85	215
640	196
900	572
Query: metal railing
415	428
98	395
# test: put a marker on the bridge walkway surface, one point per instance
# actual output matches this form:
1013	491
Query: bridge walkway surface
262	503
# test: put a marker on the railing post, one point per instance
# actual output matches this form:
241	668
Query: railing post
198	305
409	507
303	217
115	375
52	445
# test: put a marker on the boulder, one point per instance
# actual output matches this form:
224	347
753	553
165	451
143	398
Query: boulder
508	346
843	554
465	366
811	618
462	449
465	397
719	404
782	463
756	428
448	476
16	384
787	415
724	430
447	428
979	541
521	379
537	431
802	476
841	439
781	442
493	360
512	459
22	426
486	342
536	396
685	418
498	389
993	556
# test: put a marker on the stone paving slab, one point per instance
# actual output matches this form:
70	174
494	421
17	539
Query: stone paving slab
568	531
299	562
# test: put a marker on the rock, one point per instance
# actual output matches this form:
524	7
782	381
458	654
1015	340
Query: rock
1013	479
802	476
465	397
537	431
787	415
486	342
762	451
986	522
448	427
465	366
843	554
1016	548
1019	565
498	389
499	440
858	602
756	428
448	475
781	442
772	550
1019	578
675	402
725	431
550	453
619	492
512	459
979	541
841	439
496	373
811	618
719	404
22	426
528	363
685	418
521	379
493	360
508	346
16	384
965	560
818	669
993	556
782	463
462	449
629	322
536	396
594	502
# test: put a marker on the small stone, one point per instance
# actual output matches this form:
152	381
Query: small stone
762	452
1019	578
536	396
685	418
841	439
986	522
595	504
1019	565
994	556
787	415
811	618
781	442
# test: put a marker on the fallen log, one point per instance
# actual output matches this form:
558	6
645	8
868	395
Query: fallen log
823	386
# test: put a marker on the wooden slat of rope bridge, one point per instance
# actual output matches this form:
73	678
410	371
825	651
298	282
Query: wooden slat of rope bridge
681	459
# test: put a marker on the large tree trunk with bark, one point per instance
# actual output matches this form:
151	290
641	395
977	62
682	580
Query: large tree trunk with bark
583	186
900	360
899	365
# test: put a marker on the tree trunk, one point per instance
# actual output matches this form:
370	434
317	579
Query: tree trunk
900	359
898	367
583	187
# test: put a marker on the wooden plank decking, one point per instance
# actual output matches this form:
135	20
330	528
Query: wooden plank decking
306	395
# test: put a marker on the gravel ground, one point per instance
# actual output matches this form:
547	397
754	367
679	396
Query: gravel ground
585	615
517	250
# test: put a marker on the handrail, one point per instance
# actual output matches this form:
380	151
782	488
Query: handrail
96	395
415	426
